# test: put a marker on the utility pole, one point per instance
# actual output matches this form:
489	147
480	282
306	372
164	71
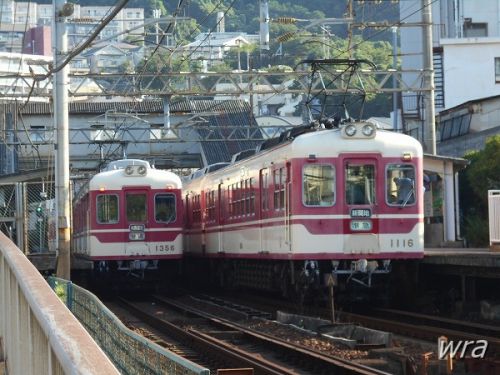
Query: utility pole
264	25
350	18
60	98
395	116
429	135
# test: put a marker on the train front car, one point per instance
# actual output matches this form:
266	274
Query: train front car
337	204
128	221
356	202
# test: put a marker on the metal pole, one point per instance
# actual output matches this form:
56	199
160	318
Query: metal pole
332	304
20	216
429	137
60	97
264	25
394	82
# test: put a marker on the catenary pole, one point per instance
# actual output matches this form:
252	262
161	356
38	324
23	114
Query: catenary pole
60	97
429	135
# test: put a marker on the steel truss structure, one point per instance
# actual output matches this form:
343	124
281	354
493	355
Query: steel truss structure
227	83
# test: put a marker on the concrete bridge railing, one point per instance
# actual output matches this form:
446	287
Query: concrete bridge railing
39	334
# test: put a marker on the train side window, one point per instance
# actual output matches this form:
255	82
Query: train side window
279	177
136	207
197	209
318	188
210	203
165	211
400	184
360	184
252	196
107	209
265	189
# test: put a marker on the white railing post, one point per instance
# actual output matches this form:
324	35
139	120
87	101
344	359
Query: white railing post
494	217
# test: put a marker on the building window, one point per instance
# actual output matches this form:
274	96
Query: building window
474	30
497	69
454	127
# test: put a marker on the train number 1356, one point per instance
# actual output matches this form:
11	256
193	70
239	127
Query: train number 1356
165	248
397	242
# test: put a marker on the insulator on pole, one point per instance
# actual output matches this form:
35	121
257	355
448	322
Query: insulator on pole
285	37
285	20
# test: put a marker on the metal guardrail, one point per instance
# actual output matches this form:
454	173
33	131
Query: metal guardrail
130	352
39	334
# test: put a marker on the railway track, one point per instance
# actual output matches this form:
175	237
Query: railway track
427	327
200	330
486	330
408	325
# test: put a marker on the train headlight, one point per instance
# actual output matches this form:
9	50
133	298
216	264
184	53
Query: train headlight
142	170
129	170
350	130
368	130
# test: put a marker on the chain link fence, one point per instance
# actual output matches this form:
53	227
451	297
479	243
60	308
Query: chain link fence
8	212
130	353
25	209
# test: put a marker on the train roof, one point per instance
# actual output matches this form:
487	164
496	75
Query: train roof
134	172
331	143
323	143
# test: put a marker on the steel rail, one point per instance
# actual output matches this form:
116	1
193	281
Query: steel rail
340	365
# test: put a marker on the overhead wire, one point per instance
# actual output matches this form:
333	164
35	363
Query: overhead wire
181	5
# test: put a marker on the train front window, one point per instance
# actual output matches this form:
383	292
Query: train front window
360	184
400	184
318	185
136	207
165	208
107	209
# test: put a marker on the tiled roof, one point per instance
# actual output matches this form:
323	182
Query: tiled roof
222	115
145	106
216	152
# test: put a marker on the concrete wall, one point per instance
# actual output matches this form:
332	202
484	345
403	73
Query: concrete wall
469	69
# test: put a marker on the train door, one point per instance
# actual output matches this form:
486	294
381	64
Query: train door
136	220
360	225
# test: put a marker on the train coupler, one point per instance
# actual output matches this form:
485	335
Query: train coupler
361	270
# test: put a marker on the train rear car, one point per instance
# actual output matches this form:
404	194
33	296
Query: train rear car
128	219
315	206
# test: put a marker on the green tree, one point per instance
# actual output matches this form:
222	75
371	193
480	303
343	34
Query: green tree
481	175
162	62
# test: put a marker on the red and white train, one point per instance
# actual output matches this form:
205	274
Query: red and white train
326	202
129	218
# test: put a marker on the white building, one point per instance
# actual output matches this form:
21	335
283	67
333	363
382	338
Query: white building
471	69
466	40
80	24
466	54
12	64
212	47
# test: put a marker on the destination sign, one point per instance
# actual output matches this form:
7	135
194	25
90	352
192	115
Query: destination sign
361	212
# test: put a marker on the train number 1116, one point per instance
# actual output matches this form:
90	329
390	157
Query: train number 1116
401	242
